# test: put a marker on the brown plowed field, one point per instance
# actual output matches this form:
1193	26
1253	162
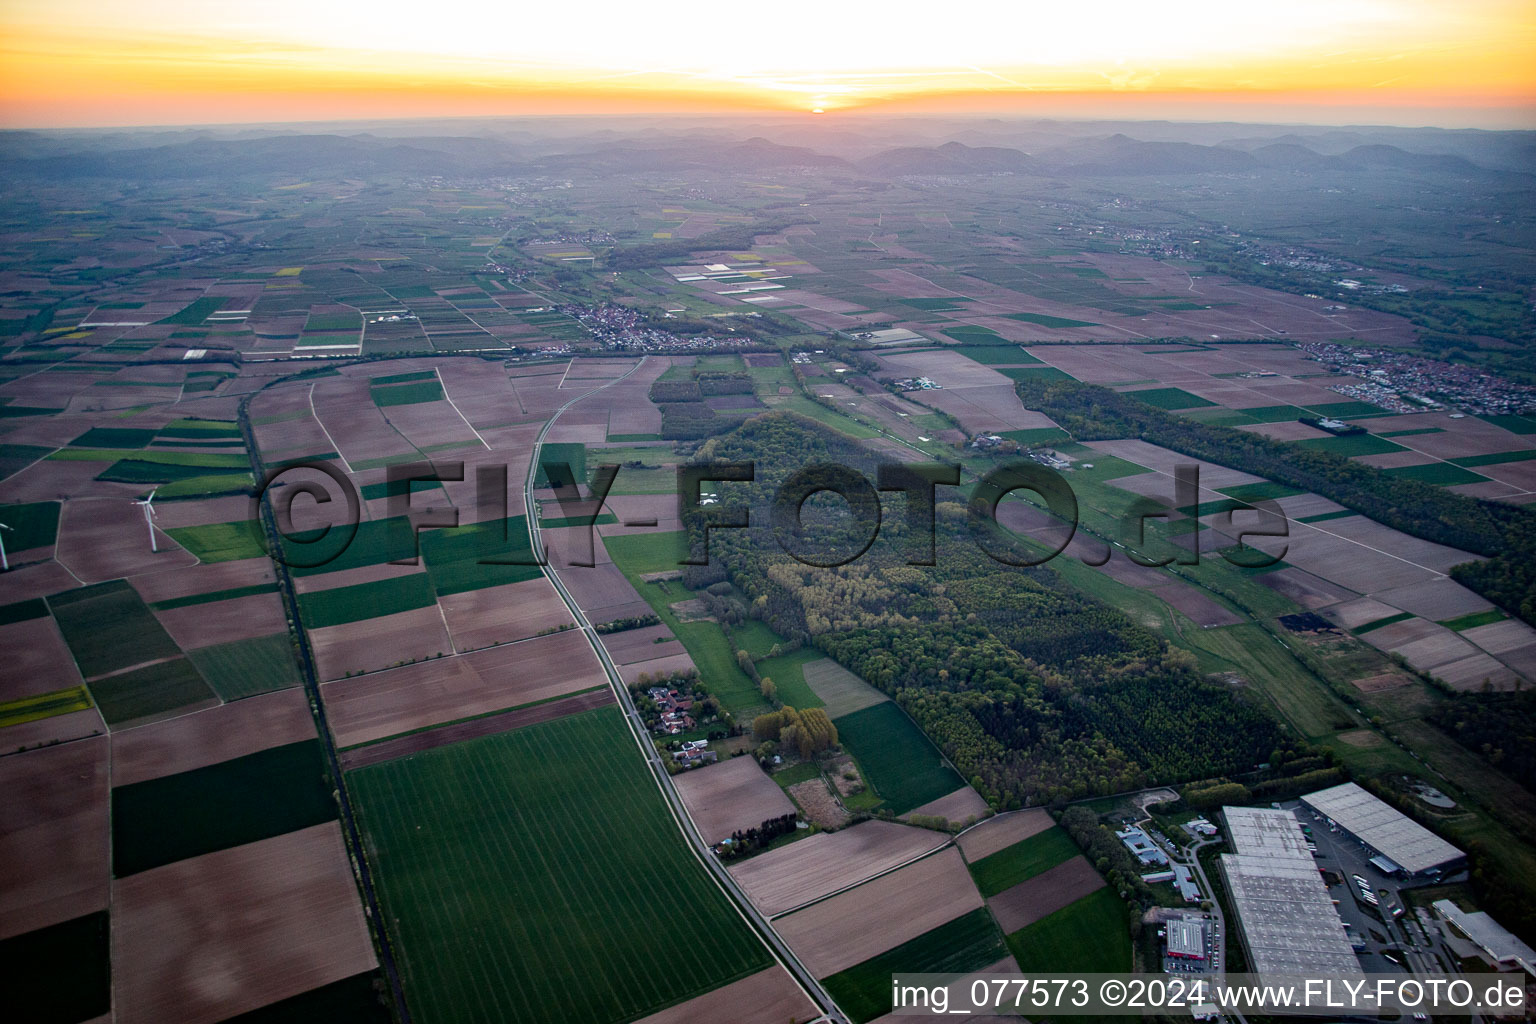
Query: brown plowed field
853	926
1001	832
734	794
963	803
53	835
204	579
795	874
657	667
208	737
516	611
36	659
1046	893
103	539
767	997
372	707
488	725
374	644
207	938
632	645
219	622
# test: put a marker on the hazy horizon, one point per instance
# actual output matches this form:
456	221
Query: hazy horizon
85	63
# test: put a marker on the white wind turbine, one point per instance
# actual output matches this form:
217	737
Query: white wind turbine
5	563
149	519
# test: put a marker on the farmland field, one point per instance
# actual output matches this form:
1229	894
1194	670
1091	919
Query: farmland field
361	601
151	690
61	972
231	803
970	942
1088	935
108	628
44	705
245	668
898	760
506	869
221	542
1022	860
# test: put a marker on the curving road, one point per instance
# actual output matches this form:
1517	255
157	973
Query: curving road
701	849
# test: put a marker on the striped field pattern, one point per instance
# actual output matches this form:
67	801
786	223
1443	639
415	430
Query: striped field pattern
536	875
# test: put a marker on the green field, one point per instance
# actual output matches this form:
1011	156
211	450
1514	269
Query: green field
23	611
204	486
1034	373
194	428
1023	860
535	875
1170	398
901	763
1474	619
569	453
407	394
1089	935
788	675
108	627
968	943
32	525
44	705
755	637
114	437
1495	458
403	378
1351	445
59	973
1515	424
195	313
245	668
1352	410
479	555
1043	320
209	597
376	540
396	488
1377	624
360	601
152	690
221	542
1443	474
203	460
972	335
231	803
995	355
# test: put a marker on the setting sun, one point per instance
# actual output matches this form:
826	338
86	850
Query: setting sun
173	61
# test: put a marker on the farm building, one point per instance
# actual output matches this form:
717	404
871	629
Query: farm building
1407	847
1285	916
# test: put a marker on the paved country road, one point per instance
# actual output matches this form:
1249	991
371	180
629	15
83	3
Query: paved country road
701	849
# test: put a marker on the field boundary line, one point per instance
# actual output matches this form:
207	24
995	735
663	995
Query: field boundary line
449	399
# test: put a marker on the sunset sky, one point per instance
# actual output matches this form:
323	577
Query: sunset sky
161	62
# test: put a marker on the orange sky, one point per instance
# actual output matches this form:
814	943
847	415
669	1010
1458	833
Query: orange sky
126	62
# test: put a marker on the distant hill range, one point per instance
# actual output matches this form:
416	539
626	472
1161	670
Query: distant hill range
856	148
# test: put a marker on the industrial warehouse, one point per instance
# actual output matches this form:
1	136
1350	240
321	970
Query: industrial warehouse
1285	916
1400	845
